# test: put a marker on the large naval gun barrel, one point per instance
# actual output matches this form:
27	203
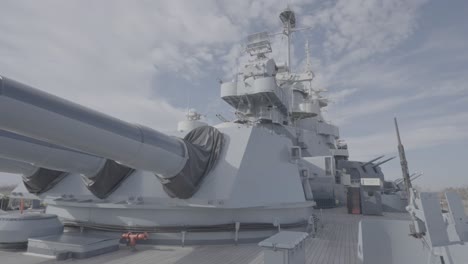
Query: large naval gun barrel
16	167
372	160
179	163
42	116
49	164
46	155
382	162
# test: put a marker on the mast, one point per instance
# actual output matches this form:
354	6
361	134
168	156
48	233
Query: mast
289	22
403	162
288	34
307	51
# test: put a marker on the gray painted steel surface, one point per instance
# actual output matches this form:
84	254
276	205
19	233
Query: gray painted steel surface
17	228
46	155
73	245
16	167
336	242
285	247
32	112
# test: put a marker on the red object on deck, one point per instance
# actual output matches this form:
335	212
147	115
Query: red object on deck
132	238
354	200
21	205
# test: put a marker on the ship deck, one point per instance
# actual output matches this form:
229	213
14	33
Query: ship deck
335	243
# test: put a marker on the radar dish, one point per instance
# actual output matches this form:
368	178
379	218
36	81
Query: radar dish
288	17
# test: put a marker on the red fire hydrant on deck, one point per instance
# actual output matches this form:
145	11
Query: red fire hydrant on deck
132	238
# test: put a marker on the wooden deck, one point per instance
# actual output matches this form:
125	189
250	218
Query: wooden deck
335	243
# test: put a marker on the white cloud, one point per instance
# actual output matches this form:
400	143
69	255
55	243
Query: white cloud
93	53
430	132
346	114
110	55
355	30
344	111
340	96
9	179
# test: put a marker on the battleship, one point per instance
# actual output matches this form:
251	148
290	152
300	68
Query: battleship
275	185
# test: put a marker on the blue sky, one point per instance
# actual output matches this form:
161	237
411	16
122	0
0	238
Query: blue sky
147	61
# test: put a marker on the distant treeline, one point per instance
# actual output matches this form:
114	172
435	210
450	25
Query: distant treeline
462	191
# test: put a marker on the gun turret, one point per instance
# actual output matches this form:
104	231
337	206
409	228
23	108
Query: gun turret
46	117
372	160
415	176
382	162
